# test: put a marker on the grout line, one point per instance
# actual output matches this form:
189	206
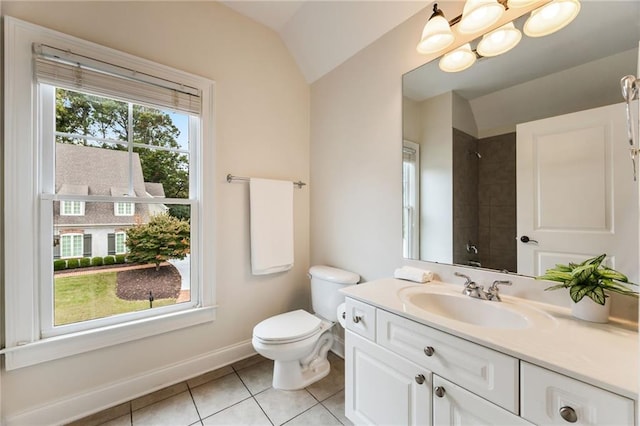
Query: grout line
194	403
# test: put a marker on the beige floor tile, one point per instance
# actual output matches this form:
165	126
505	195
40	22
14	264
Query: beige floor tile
104	416
316	416
246	413
282	406
219	394
157	396
174	411
211	375
258	377
329	385
335	405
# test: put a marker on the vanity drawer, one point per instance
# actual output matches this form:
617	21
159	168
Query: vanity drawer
485	372
546	395
361	318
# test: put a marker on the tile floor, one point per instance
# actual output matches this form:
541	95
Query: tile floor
239	394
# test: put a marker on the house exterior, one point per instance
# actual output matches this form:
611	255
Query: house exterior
88	229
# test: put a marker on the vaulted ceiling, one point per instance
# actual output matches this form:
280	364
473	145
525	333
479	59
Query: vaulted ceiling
323	34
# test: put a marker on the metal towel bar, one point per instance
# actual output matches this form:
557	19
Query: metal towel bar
231	178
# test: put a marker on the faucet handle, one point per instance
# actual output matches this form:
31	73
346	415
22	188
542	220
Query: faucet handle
496	283
458	274
493	292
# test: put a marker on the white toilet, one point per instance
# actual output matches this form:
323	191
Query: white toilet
298	341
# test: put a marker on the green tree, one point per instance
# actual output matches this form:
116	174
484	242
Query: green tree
83	114
164	237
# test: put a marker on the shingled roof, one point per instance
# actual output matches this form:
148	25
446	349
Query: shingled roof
85	170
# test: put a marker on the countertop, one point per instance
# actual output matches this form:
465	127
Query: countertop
603	355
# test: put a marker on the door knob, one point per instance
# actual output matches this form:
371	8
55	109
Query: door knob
526	239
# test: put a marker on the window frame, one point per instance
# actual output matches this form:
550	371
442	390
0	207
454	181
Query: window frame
123	243
65	203
128	208
24	222
73	236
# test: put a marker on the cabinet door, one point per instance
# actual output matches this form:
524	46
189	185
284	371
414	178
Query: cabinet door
453	405
382	388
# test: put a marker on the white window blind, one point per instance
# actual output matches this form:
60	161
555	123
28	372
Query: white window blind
65	69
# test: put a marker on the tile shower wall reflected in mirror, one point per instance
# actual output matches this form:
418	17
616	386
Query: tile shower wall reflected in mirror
484	201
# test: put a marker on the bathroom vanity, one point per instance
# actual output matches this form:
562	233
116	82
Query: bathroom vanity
421	354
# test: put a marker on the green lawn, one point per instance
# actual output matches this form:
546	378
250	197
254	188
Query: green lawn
84	297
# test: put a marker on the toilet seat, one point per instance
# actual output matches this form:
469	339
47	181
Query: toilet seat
288	327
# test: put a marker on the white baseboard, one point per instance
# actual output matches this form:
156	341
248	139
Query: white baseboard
94	400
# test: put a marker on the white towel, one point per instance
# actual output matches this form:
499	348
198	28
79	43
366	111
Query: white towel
271	226
413	274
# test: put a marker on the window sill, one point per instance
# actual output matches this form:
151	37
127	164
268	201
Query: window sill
72	344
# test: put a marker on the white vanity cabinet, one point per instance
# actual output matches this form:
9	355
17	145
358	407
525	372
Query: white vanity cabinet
389	374
402	372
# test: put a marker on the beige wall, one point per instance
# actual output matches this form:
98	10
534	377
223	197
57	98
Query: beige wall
262	129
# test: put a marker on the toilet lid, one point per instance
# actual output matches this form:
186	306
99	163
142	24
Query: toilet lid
294	325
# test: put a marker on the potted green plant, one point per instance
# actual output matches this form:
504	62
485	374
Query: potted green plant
588	283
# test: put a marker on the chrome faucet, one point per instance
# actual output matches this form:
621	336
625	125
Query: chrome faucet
472	289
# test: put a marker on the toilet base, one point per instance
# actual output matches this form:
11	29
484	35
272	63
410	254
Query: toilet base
290	375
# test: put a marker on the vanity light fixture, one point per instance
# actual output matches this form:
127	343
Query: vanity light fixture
458	60
551	17
437	34
499	41
478	15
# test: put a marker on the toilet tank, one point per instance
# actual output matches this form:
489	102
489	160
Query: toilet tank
325	285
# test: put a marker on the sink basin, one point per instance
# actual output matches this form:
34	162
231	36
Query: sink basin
481	313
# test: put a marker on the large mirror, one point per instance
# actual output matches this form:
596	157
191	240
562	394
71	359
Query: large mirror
522	160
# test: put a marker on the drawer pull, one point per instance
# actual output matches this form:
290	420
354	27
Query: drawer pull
428	351
569	414
357	318
439	391
420	379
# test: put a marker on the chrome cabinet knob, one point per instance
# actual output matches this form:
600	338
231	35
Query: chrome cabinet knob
357	318
428	351
439	391
420	378
568	414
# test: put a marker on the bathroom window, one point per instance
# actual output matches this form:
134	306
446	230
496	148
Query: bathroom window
410	200
120	142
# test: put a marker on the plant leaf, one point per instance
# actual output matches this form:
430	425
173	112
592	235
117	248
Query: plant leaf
597	295
556	287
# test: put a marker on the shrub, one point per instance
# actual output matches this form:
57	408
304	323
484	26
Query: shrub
163	238
120	258
97	261
109	260
85	262
59	264
73	263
